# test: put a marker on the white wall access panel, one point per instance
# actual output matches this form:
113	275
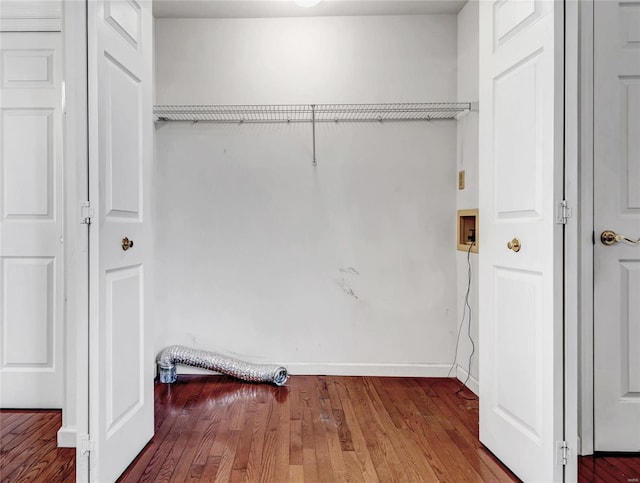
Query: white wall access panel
31	225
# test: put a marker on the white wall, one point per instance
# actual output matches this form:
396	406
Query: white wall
467	155
345	268
306	60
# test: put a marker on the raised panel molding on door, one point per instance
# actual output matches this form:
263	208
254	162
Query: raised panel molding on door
27	68
518	388
630	159
630	22
125	18
31	16
630	314
517	172
510	17
124	288
31	224
28	322
122	105
28	163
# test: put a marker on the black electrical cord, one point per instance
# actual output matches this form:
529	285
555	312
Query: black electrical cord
466	307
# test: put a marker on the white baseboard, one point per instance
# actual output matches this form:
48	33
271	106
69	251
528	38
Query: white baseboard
472	383
349	369
67	437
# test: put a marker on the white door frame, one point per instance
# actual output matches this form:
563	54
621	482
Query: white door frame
578	247
76	408
572	242
585	247
76	234
579	242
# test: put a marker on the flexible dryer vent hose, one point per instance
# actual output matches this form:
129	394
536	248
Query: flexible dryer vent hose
247	371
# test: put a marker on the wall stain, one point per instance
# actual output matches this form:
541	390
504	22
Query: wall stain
346	287
349	270
344	284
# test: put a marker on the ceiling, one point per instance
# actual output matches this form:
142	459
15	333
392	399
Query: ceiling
287	8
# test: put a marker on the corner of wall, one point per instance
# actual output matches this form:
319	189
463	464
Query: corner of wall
467	198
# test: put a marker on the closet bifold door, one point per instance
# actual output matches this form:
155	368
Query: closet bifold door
520	289
121	359
31	220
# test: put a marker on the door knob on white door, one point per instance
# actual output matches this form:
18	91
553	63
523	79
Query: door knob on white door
609	238
126	243
514	245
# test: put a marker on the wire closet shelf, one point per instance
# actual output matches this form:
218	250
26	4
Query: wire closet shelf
425	111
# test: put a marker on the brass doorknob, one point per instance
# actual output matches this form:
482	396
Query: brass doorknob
126	243
514	245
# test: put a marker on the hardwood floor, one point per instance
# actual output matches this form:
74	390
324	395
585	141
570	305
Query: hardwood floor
609	468
28	449
327	429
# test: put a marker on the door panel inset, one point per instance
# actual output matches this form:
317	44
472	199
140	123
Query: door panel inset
512	16
517	147
124	17
123	146
27	68
27	163
630	116
124	328
630	24
630	335
517	298
28	318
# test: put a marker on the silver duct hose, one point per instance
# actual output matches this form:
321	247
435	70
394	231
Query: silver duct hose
247	371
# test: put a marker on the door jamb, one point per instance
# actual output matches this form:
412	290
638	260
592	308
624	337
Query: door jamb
579	268
586	221
571	234
76	233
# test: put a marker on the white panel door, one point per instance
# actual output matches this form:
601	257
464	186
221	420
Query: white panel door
616	147
121	360
521	143
31	225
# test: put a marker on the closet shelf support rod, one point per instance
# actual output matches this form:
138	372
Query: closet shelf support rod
313	131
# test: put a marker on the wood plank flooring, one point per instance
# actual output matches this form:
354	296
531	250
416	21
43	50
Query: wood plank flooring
28	448
609	468
326	429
